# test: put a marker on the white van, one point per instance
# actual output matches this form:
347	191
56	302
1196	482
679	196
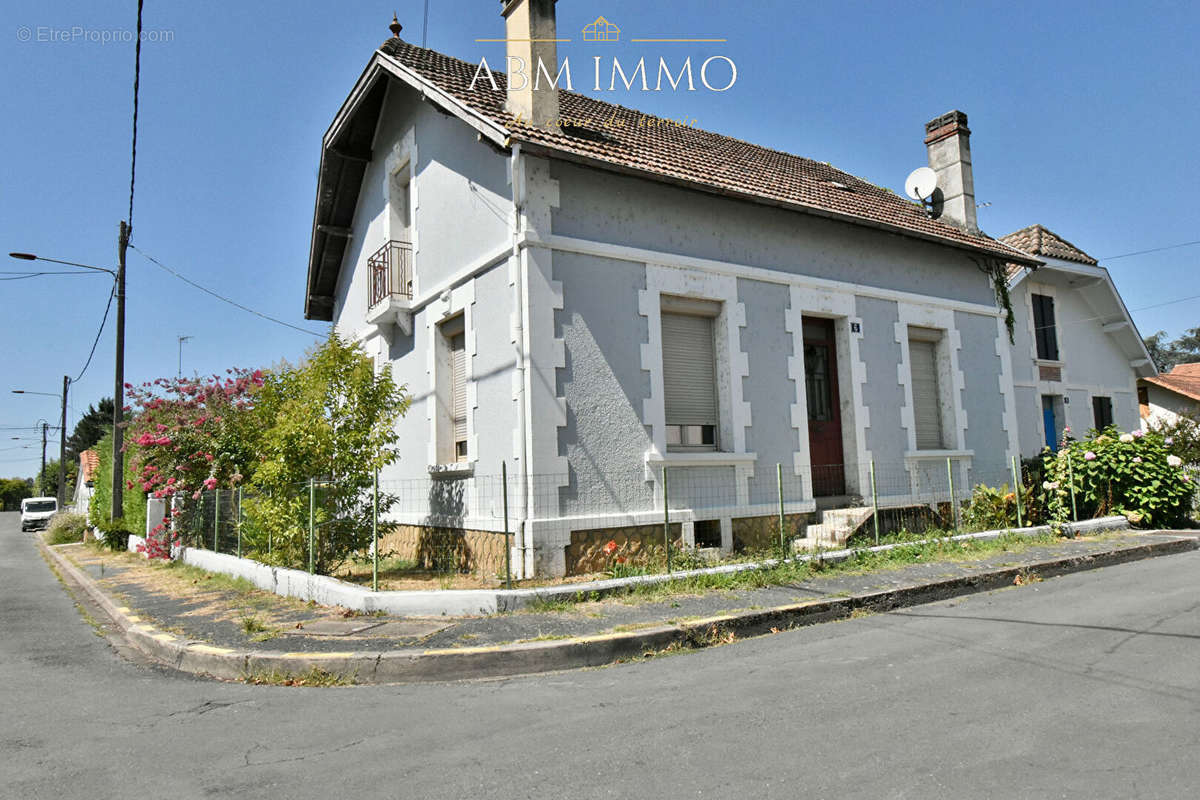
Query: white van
37	511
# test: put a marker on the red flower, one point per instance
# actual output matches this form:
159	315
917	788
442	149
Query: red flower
611	547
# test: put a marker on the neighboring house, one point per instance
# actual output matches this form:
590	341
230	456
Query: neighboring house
593	304
1163	398
1076	355
89	462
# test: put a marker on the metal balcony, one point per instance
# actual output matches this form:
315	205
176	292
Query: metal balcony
389	273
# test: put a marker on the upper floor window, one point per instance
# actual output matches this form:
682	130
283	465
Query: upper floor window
399	206
690	373
1044	329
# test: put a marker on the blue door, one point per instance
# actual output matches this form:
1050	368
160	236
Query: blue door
1048	421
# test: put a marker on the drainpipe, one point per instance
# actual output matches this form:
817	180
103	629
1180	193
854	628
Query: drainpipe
518	252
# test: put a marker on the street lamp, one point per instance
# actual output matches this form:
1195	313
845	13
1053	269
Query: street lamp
62	443
118	457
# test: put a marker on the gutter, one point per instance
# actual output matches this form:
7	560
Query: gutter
524	532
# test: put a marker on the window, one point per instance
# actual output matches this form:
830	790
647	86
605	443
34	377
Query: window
399	210
454	343
1102	412
689	373
1044	330
1143	402
926	389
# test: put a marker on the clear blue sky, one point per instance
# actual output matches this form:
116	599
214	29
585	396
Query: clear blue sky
1084	118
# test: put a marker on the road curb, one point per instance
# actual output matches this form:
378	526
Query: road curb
416	665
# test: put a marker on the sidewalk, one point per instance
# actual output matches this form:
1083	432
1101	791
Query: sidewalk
211	624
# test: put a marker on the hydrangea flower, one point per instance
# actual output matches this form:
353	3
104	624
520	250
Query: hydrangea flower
1089	456
1137	459
1127	437
1175	461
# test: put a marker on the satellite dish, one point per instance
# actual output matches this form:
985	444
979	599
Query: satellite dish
920	184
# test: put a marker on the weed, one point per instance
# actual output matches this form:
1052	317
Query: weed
314	676
251	624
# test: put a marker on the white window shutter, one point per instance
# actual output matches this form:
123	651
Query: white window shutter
927	406
689	370
458	387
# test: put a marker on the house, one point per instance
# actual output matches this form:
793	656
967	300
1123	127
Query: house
1076	354
1164	398
631	316
89	462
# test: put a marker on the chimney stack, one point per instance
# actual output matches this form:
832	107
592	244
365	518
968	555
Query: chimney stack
530	30
948	140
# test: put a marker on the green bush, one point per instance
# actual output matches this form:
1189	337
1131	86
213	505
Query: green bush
133	501
992	509
66	528
116	534
1134	474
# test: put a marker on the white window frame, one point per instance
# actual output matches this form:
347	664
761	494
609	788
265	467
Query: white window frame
951	381
460	301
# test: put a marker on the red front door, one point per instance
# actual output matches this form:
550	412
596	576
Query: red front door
824	408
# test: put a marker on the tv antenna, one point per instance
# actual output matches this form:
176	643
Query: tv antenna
920	185
182	339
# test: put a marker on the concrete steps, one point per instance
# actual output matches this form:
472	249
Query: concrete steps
836	526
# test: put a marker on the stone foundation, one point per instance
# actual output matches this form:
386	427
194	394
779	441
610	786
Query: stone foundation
454	550
585	554
762	533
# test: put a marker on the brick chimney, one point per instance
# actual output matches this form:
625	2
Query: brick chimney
948	140
531	31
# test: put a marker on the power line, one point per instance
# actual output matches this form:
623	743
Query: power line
137	74
1151	250
222	298
96	341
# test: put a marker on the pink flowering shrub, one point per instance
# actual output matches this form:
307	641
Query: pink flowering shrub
189	436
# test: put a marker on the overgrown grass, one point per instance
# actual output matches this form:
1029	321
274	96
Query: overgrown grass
208	580
314	676
791	572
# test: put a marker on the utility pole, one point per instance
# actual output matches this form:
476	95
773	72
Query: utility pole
118	457
42	474
62	449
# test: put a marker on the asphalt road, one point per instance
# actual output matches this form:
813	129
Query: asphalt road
1084	686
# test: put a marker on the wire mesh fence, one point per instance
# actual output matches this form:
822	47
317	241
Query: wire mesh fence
474	531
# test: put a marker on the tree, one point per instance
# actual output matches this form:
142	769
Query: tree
13	491
331	420
1166	354
92	426
48	479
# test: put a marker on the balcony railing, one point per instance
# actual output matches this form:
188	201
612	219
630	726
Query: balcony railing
390	273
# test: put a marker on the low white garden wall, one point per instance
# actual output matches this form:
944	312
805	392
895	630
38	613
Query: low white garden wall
328	591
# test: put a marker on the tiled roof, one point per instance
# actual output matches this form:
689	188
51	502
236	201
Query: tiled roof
1039	240
633	140
1183	379
89	462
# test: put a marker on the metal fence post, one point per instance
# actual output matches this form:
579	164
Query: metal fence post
874	501
312	505
666	521
783	553
239	523
216	520
1017	491
953	505
1071	478
375	534
507	541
